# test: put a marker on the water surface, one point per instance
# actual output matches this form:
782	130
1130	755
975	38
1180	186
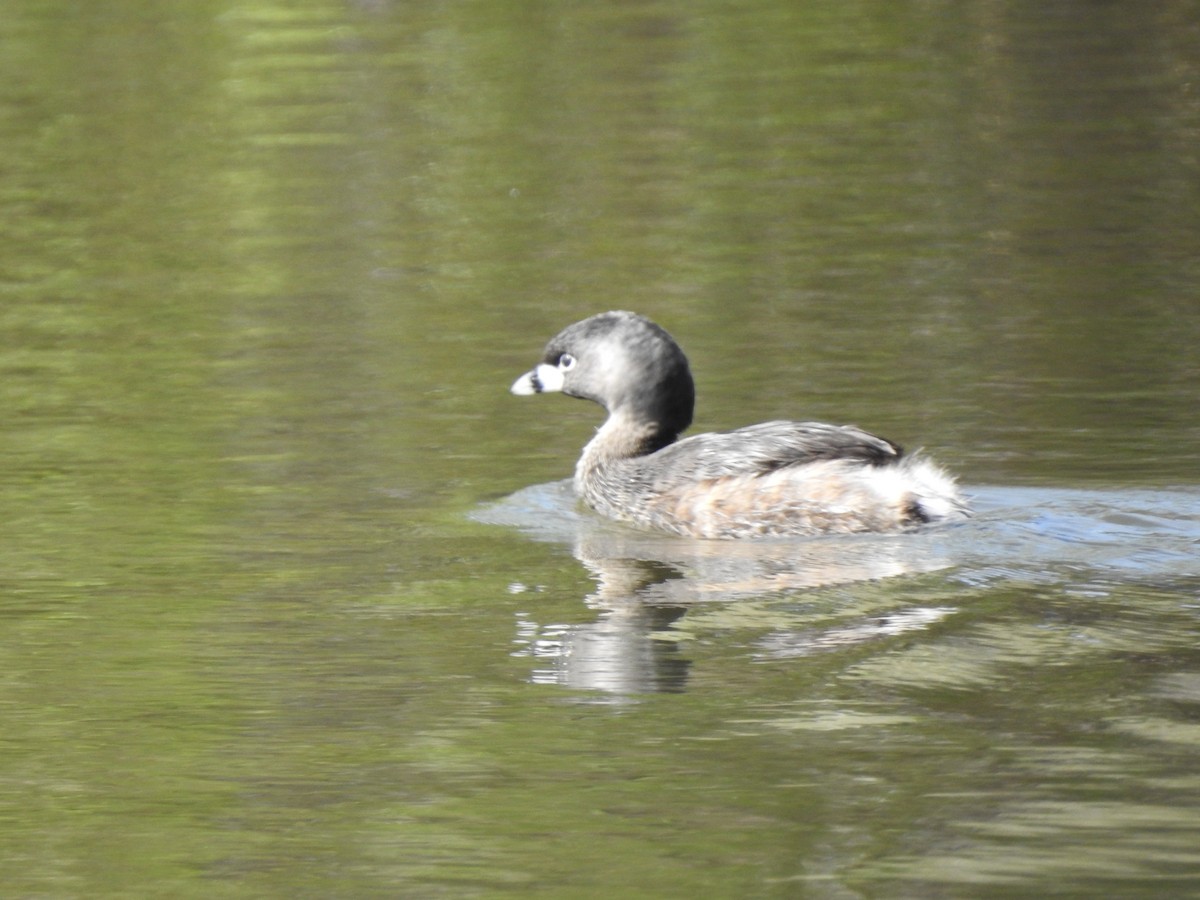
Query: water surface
294	601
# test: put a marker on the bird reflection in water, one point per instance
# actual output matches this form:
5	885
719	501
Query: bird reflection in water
645	583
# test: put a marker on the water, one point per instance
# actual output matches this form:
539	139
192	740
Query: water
295	603
651	592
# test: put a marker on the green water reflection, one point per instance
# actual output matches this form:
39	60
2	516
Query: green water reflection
267	270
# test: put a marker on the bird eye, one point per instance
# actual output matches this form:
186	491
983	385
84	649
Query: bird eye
566	362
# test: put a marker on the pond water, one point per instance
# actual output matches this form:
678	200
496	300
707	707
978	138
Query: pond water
295	600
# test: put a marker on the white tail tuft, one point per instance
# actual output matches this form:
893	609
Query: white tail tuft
933	492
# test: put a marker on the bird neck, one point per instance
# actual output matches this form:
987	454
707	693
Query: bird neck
624	436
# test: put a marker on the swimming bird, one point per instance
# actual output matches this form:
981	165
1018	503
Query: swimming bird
772	479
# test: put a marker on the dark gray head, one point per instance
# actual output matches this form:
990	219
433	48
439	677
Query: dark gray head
624	362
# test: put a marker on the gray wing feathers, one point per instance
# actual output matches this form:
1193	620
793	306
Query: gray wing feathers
758	449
